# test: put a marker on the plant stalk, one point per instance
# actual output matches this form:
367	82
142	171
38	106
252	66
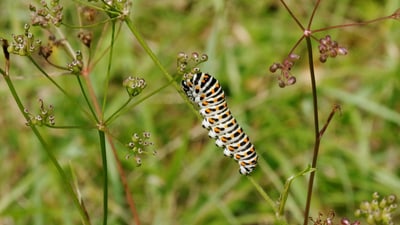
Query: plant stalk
316	131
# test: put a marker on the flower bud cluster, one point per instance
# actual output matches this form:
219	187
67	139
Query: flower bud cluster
44	117
48	14
134	85
86	38
379	210
285	78
138	146
329	48
329	220
186	64
24	44
122	7
77	64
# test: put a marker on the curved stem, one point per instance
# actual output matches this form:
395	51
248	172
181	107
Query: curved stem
64	178
316	131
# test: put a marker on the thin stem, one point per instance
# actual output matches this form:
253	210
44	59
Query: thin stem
64	177
123	107
105	172
56	66
124	181
69	50
95	108
107	82
313	14
111	118
292	15
316	130
264	194
70	127
336	108
86	98
297	43
55	83
144	45
48	77
352	24
156	61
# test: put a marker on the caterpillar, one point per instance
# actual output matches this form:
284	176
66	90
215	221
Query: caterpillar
205	91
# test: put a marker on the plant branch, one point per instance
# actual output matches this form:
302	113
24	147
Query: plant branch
316	130
336	108
110	59
292	15
123	108
352	24
313	14
64	178
86	99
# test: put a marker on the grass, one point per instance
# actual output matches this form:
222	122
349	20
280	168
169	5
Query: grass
189	181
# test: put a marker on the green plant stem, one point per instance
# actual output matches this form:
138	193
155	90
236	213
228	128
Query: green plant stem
68	48
116	113
110	59
64	177
144	45
55	83
263	194
105	172
123	107
87	99
157	62
48	77
316	131
124	182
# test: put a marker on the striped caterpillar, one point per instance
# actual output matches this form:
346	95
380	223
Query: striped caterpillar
205	91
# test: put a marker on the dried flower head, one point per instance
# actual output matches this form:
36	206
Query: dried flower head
329	48
89	13
139	145
329	220
47	14
45	117
285	78
86	38
134	85
24	44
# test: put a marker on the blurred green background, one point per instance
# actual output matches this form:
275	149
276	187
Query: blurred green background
189	181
